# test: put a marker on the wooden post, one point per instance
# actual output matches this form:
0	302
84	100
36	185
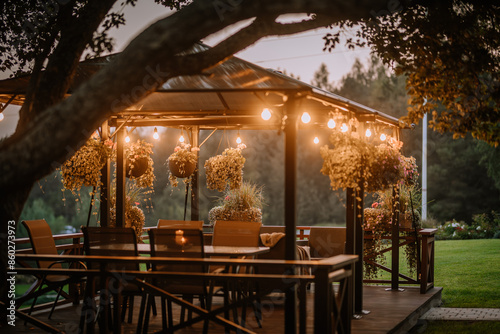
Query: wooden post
105	182
120	178
195	191
395	240
350	246
291	129
359	248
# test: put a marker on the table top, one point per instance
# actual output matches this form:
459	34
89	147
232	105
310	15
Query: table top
218	250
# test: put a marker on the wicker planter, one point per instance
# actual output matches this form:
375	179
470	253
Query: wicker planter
185	171
138	167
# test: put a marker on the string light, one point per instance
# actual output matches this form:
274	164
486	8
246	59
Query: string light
331	123
266	114
238	139
127	137
383	137
155	134
306	118
316	140
344	127
181	138
368	133
1	116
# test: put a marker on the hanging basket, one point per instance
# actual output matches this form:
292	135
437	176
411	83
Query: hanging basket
138	167
185	171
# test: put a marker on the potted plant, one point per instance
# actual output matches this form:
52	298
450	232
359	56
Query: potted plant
84	167
139	164
182	163
241	204
225	169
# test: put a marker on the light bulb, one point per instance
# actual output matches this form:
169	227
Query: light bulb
331	123
306	118
238	140
181	139
383	137
266	114
344	127
1	116
368	133
127	139
316	140
155	134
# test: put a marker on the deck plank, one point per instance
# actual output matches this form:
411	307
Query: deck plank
390	312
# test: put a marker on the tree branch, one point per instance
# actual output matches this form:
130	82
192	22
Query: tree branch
261	27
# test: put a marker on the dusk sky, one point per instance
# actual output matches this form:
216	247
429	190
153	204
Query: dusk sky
300	54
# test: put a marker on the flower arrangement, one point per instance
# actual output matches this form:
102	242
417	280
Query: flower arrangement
378	222
385	168
243	204
134	216
352	162
182	163
225	169
84	167
139	157
346	164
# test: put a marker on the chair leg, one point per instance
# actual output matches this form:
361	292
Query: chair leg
55	302
130	309
124	306
144	302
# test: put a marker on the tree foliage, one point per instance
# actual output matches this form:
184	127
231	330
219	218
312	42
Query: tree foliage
448	51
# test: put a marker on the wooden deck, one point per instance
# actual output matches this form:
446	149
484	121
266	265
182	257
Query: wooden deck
390	312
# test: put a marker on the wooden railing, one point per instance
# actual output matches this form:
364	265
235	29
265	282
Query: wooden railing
332	309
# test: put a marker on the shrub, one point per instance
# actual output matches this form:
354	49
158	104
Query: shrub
483	226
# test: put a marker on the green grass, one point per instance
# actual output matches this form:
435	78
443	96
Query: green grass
469	272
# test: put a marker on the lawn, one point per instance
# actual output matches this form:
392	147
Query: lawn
469	273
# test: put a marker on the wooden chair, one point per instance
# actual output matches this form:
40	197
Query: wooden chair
237	233
187	243
180	224
42	242
115	241
327	241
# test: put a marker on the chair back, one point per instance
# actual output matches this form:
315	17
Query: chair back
272	229
180	224
111	241
187	243
236	233
42	241
327	241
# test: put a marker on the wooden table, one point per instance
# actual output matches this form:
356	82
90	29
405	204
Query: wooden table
231	251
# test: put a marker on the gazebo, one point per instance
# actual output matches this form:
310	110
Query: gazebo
233	96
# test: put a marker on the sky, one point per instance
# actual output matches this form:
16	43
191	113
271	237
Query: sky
300	54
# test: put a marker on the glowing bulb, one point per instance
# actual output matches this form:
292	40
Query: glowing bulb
331	123
316	140
306	118
368	133
383	137
344	127
181	139
266	114
1	116
155	134
238	140
127	139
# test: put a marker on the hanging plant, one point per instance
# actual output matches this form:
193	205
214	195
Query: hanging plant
385	168
182	163
240	204
347	162
225	169
139	164
84	167
134	216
